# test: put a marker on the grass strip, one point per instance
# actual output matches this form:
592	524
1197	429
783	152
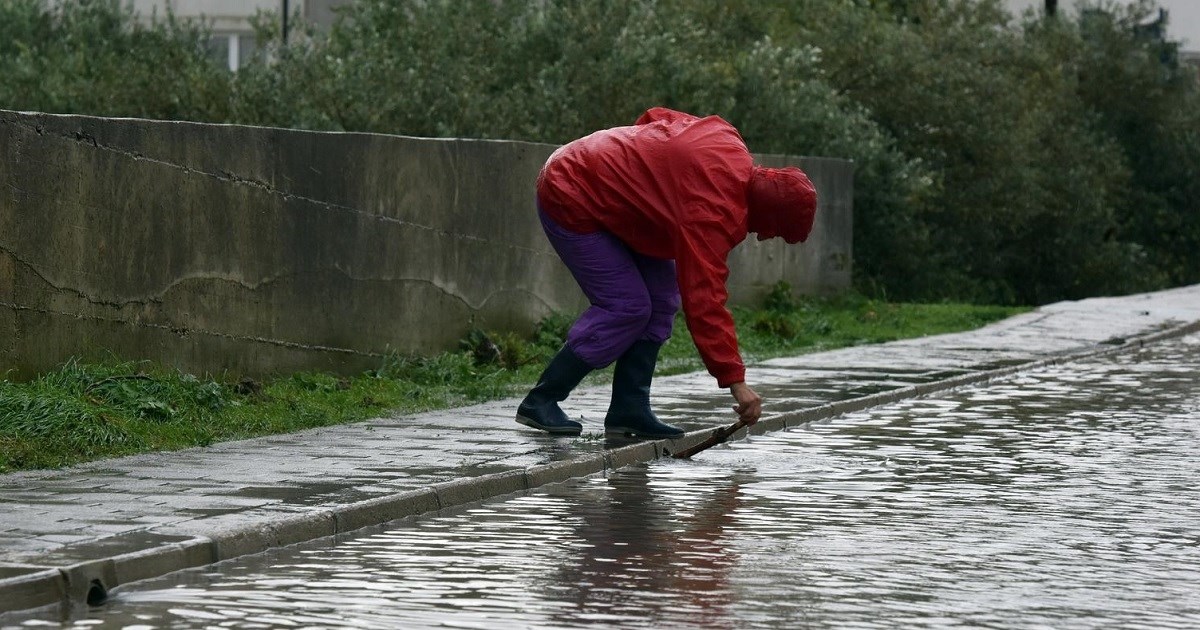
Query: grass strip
88	411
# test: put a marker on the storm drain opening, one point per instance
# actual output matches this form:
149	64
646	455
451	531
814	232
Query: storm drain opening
97	594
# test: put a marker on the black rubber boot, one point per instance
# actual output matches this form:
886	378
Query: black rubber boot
540	408
629	413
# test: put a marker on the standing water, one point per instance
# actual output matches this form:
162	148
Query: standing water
1064	497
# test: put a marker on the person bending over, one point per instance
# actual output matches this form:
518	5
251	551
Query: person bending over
644	217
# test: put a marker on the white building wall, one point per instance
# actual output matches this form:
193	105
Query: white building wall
224	15
233	37
1183	21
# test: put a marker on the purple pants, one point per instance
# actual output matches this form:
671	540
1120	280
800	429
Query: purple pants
633	297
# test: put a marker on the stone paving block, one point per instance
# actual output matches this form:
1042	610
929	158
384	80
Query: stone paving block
105	529
19	549
25	520
135	485
67	539
208	501
9	569
101	548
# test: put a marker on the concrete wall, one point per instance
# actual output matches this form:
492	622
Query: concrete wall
256	250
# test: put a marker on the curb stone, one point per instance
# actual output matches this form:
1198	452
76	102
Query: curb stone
158	561
37	589
384	509
28	587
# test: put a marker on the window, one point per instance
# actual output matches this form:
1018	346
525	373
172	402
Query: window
232	49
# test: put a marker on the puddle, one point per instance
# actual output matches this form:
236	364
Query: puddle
1060	498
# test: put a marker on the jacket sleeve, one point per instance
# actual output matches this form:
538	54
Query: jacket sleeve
701	268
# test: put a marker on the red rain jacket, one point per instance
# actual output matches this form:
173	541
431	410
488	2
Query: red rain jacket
670	186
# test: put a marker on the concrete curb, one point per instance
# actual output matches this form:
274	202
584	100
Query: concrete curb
23	588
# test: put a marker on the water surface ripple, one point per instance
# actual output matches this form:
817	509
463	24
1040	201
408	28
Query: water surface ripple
1060	498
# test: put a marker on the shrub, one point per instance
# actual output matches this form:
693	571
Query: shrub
997	160
93	57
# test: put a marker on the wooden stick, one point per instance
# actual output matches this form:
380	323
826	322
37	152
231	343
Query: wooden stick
719	435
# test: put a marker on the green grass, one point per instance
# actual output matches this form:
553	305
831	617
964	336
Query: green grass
88	411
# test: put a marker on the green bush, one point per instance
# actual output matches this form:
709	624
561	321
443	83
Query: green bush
1149	104
93	57
998	158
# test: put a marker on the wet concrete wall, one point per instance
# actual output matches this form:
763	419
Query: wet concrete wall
253	250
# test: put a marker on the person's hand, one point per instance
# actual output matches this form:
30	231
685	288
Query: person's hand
749	406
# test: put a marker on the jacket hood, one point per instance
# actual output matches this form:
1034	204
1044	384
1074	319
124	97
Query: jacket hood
781	202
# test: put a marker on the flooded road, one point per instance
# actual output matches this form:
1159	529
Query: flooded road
1065	497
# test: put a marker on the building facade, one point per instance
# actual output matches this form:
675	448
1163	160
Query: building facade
230	20
1183	16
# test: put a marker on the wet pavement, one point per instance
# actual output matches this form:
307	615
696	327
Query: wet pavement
65	534
1057	497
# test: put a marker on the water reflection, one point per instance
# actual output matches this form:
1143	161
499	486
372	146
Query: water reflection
647	552
1061	498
